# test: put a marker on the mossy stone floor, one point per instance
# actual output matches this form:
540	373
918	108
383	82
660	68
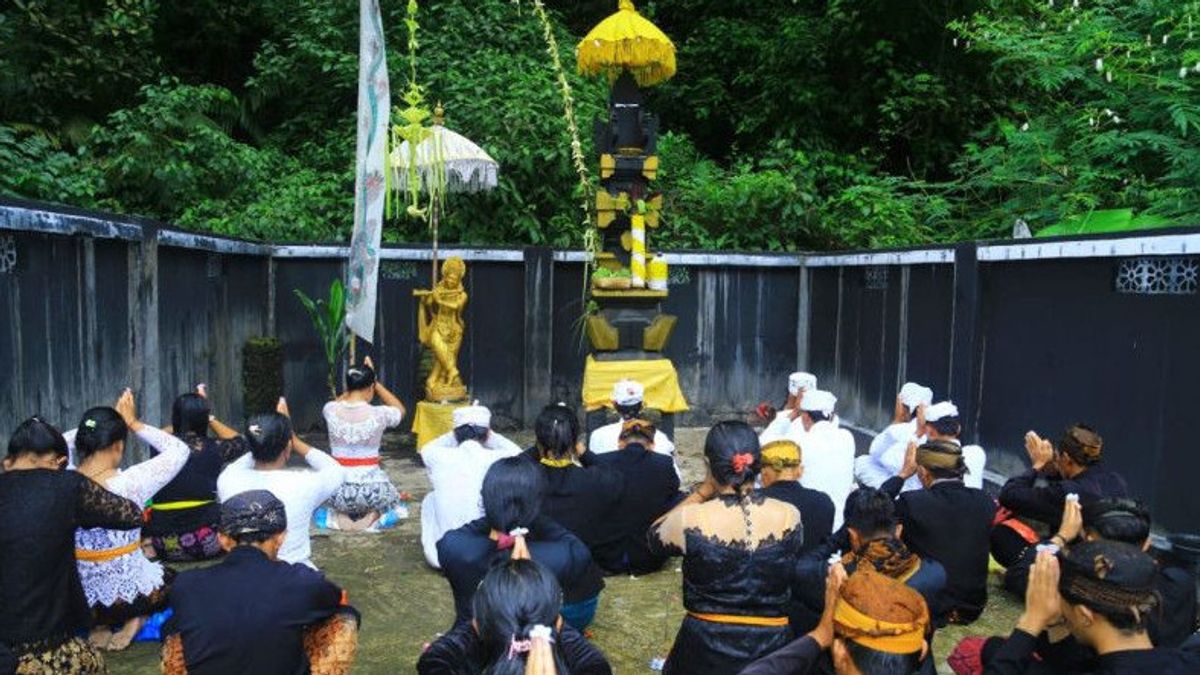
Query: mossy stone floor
405	604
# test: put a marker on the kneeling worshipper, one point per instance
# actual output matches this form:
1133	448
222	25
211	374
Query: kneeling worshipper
1074	466
253	613
886	454
948	522
513	526
456	464
44	609
272	442
828	451
1127	521
874	542
184	514
516	629
786	421
627	399
650	488
366	500
872	625
582	499
1103	595
123	587
739	549
782	469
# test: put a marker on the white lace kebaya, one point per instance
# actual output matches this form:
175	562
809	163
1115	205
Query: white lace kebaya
131	574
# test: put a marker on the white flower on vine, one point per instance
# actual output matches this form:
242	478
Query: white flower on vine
955	42
1108	111
1025	126
1100	65
1196	67
1108	76
1075	4
1091	121
1116	119
1183	72
1166	37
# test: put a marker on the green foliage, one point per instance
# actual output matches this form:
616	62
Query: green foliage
1102	112
790	125
329	321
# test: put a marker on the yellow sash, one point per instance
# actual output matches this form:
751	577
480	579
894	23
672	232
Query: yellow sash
179	506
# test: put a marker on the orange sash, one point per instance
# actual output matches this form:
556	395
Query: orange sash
104	555
741	620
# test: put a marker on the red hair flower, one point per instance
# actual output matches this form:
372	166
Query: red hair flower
742	461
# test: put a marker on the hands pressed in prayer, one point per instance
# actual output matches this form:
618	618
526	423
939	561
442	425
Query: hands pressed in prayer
1072	522
202	390
1043	605
1040	451
127	409
281	407
823	633
909	468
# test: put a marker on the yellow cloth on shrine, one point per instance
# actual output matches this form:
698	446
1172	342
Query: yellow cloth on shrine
658	376
432	420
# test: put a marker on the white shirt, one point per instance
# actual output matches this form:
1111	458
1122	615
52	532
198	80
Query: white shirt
975	459
828	457
886	456
607	439
456	474
125	577
300	491
782	425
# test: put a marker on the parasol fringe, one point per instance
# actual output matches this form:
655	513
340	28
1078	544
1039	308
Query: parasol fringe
651	62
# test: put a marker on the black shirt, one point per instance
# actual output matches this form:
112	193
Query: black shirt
41	597
1040	497
816	510
197	481
248	614
952	524
649	489
1015	657
466	555
460	652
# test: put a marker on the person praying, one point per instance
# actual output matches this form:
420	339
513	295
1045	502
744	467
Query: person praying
252	612
873	539
1102	595
627	398
786	421
649	488
886	454
45	610
366	500
122	585
1074	466
184	514
738	550
782	468
513	527
948	522
872	625
272	442
456	463
828	450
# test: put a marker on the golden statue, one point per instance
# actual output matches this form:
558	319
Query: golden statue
440	327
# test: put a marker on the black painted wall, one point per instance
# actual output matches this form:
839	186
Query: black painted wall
1017	344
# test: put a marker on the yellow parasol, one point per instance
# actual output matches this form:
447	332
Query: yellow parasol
627	41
